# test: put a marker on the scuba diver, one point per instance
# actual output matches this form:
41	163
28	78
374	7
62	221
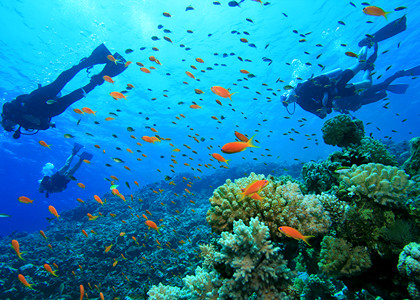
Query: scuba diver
33	112
59	180
320	94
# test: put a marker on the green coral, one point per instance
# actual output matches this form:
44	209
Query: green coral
385	185
372	151
412	164
284	204
340	258
342	131
319	176
409	266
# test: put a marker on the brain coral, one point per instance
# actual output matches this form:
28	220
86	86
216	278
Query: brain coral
284	204
342	131
386	185
339	258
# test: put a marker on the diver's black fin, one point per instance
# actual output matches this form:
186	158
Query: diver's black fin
393	28
77	147
397	88
413	71
86	155
98	56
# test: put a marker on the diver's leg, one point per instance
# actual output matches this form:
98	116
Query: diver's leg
362	61
373	97
334	73
386	32
98	56
366	82
74	169
66	166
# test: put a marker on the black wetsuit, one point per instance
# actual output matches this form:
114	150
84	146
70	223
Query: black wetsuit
34	111
54	184
311	92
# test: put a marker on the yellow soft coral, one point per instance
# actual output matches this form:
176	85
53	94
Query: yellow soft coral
283	205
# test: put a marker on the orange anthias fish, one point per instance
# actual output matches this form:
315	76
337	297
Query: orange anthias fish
220	158
78	111
117	95
25	200
153	225
48	268
375	11
44	144
222	92
236	147
15	246
81	185
108	248
53	211
82	291
108	79
88	110
43	234
254	187
111	58
195	106
241	137
189	74
351	54
294	233
24	282
98	199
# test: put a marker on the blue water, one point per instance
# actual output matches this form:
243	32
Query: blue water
40	39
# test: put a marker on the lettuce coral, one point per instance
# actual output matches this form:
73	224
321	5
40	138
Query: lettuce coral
283	204
339	258
342	131
386	185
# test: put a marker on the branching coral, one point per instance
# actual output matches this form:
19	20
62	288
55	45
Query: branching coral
284	204
339	258
386	185
342	131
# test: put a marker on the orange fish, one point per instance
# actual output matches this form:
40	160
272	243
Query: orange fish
80	200
117	95
108	79
168	15
199	60
236	147
152	58
109	119
375	11
44	144
129	85
101	295
88	110
351	54
222	92
78	111
244	71
254	187
220	158
24	282
108	248
152	225
111	58
218	102
81	185
91	217
43	234
147	139
98	199
195	106
24	199
53	211
189	74
127	64
198	91
153	129
82	292
241	137
243	40
293	233
145	70
15	246
47	267
85	233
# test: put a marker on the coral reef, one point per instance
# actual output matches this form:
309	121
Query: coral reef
368	151
342	131
164	292
340	258
412	164
319	176
409	266
386	185
283	204
247	265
